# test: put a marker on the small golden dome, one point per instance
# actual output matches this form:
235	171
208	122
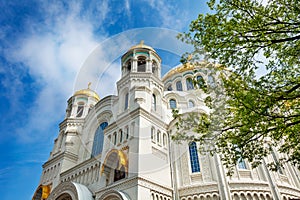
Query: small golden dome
141	45
88	92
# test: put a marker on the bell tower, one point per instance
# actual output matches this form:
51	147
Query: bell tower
140	84
141	106
142	59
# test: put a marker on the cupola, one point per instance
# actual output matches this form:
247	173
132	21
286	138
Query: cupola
141	58
80	104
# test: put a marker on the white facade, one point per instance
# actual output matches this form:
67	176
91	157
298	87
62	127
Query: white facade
119	147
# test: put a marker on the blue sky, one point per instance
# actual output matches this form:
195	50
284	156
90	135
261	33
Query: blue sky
46	52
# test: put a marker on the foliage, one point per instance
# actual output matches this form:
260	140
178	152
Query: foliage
251	113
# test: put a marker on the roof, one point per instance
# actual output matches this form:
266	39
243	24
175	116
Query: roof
188	67
88	92
141	45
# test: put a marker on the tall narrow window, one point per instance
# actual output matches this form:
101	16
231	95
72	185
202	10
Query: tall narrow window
178	86
191	104
153	102
126	101
158	137
153	134
194	157
141	64
115	138
169	88
79	110
154	68
128	64
98	139
127	132
189	84
172	103
241	163
69	110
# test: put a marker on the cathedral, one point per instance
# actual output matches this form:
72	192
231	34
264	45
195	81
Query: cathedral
118	147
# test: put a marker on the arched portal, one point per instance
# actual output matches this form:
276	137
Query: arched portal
64	196
114	195
70	191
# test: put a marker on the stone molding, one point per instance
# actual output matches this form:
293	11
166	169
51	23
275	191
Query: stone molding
63	188
71	122
191	190
134	181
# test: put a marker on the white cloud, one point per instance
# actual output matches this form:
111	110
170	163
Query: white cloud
63	45
53	51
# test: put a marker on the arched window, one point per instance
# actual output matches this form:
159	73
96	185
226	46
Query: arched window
126	101
153	102
141	64
200	81
178	86
241	164
154	67
189	84
169	88
128	65
98	139
191	104
173	103
194	157
69	110
80	110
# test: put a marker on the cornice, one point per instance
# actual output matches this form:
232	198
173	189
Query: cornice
71	122
139	76
133	181
53	160
59	157
195	189
108	100
87	163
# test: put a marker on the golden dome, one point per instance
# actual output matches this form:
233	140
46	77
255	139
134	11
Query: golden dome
141	45
189	67
88	92
181	68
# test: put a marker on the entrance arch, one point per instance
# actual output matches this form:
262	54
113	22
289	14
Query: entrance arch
64	196
114	195
70	191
